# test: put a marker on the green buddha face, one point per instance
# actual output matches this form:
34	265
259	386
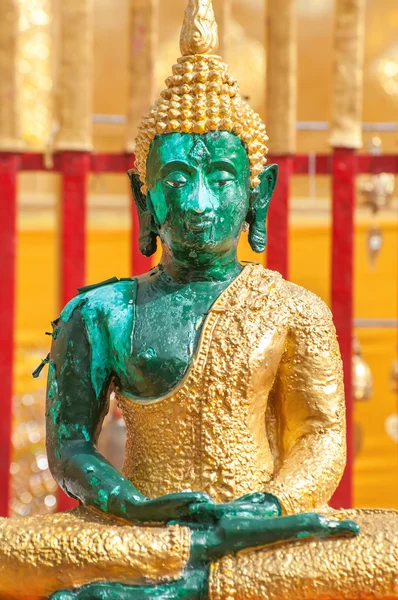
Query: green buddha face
199	195
199	190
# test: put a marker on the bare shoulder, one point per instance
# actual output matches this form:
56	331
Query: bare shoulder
110	296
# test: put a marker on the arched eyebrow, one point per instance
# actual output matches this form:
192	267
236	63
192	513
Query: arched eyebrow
175	165
224	165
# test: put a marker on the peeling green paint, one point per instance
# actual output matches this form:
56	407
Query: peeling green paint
102	500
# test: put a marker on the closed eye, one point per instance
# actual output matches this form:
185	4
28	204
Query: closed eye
176	184
221	178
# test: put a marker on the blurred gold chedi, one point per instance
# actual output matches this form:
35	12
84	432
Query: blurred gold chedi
35	71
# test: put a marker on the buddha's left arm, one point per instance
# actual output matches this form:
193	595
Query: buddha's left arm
309	409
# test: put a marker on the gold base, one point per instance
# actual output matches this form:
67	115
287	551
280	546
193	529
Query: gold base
81	546
360	568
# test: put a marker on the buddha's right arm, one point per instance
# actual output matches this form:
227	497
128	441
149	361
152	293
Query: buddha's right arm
75	411
74	417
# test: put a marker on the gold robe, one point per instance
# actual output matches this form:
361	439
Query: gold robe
261	408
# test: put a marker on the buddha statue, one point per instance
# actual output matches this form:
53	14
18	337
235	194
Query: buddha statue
230	383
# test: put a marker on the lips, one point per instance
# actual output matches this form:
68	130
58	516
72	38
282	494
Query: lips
199	223
200	226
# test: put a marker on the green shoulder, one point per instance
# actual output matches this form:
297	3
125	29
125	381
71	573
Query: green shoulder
100	297
107	312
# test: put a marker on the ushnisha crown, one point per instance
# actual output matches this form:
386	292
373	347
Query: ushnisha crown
202	96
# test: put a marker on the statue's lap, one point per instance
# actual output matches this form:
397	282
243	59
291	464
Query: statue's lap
58	551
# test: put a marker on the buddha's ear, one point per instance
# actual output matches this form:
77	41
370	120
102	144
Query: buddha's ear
147	236
260	199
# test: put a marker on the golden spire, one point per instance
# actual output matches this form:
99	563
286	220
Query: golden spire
199	34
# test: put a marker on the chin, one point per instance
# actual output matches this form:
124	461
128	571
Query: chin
195	246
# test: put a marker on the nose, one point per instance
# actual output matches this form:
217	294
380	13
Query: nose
202	200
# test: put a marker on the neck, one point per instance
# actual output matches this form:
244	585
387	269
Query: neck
202	267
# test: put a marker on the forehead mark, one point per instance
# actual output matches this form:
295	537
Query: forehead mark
199	153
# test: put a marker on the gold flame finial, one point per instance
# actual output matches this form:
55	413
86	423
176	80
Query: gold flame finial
199	34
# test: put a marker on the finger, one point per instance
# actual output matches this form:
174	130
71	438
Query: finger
106	591
271	503
177	501
201	497
343	528
211	514
314	525
189	497
254	498
204	507
235	534
254	510
205	512
186	523
229	509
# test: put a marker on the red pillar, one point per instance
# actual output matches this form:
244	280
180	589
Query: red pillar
278	219
8	203
75	167
342	283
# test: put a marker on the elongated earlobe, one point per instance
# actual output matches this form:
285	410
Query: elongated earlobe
147	236
257	234
260	201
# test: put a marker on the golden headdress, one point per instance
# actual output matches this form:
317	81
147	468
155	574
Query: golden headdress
202	96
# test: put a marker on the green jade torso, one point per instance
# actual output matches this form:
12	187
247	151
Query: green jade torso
141	334
167	322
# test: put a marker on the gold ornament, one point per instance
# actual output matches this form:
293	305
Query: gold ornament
376	193
362	380
202	96
199	34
